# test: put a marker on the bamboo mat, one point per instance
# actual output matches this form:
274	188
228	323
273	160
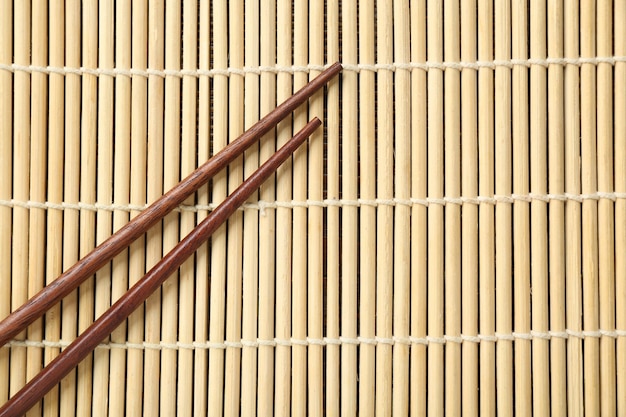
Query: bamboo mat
453	242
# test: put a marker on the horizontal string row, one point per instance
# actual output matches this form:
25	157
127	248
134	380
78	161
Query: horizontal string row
262	205
428	340
291	69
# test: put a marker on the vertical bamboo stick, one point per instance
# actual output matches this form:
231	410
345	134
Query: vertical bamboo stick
573	215
54	233
367	221
37	188
251	246
521	211
384	225
589	184
21	158
436	366
402	219
556	213
486	279
349	216
184	383
201	320
606	210
71	185
503	210
267	219
419	213
315	186
620	205
452	219
106	59
184	397
299	256
88	165
171	222
469	213
232	381
154	189
121	195
539	210
282	392
138	196
6	179
332	251
218	192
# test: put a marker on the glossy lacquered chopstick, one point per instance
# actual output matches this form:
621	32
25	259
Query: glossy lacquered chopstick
67	360
90	263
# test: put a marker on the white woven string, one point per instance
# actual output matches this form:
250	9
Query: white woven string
264	205
474	65
428	340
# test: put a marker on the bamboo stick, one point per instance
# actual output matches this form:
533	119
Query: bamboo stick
20	176
539	210
419	213
575	398
37	186
521	211
282	393
104	195
332	378
88	186
299	249
469	213
436	366
172	144
402	213
154	189
267	220
251	247
349	215
138	197
71	187
367	242
121	195
218	192
6	180
315	253
104	325
188	162
234	249
620	205
452	213
606	209
486	279
556	210
589	184
201	319
503	211
384	225
54	232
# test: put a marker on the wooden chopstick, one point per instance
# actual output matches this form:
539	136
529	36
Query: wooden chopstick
67	360
103	253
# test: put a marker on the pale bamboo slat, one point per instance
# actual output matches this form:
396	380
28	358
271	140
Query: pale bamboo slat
6	179
121	193
469	213
620	205
573	234
556	209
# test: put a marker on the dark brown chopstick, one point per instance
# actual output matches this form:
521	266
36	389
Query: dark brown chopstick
67	360
90	263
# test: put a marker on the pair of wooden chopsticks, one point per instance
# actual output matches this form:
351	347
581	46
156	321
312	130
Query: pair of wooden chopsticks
35	389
